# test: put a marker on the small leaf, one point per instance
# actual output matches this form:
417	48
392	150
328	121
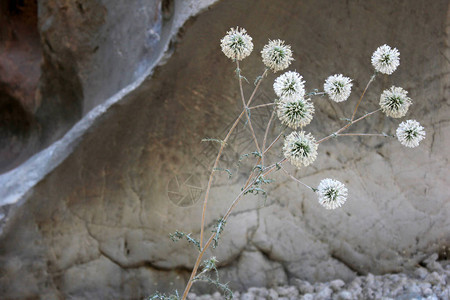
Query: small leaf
225	170
214	140
218	230
242	77
259	78
178	235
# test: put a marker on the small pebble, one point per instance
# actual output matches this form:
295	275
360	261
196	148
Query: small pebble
337	284
344	295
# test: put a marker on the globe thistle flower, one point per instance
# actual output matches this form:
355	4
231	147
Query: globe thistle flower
410	133
276	55
295	111
385	59
394	102
289	84
300	148
338	87
332	193
236	44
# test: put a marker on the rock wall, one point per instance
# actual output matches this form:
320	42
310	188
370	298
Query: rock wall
61	59
95	224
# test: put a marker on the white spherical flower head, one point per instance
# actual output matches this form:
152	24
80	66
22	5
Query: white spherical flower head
332	193
276	55
338	87
410	133
237	44
395	102
295	111
289	84
300	148
385	59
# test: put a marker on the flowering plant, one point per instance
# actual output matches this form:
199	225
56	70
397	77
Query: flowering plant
294	108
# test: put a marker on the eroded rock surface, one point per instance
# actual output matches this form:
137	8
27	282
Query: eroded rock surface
97	225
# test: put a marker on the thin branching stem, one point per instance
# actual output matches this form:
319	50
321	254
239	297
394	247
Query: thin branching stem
262	105
316	94
362	95
273	167
216	162
335	134
247	110
219	154
211	238
264	152
364	134
257	86
236	200
295	179
247	186
265	137
196	265
274	141
253	134
238	71
366	115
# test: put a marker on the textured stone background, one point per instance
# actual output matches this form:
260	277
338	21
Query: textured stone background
97	225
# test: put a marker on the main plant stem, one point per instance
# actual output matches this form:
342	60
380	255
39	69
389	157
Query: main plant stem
208	188
247	186
219	154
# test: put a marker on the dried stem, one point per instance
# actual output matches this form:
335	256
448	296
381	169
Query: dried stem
360	98
238	71
264	152
246	109
216	162
256	88
272	167
364	134
274	141
316	94
247	186
253	133
366	115
265	137
196	265
262	105
295	179
211	238
337	133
